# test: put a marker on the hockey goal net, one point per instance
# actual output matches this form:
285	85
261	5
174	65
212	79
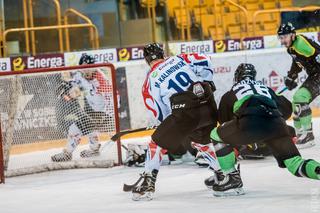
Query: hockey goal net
58	118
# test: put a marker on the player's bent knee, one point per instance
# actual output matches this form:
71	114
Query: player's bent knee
221	148
215	136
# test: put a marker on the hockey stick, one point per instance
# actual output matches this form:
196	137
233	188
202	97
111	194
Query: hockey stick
283	90
122	133
118	135
129	188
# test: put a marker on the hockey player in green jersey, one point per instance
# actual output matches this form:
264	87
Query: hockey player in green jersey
305	55
258	115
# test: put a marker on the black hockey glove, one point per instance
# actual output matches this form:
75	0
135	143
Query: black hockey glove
290	83
212	85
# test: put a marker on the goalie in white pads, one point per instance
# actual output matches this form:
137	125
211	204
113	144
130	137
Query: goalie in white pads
178	90
86	121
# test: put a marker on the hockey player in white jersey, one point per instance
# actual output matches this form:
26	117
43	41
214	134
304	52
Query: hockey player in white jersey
178	91
90	120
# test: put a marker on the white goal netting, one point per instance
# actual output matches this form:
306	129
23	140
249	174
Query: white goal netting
58	119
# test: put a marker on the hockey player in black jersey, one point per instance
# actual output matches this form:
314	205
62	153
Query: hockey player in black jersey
258	114
305	55
178	91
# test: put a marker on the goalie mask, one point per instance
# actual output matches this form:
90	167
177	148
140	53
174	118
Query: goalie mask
153	52
64	89
245	71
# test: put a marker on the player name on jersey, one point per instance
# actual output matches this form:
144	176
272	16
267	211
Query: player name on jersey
168	72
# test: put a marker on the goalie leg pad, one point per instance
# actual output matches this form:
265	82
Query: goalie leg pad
94	146
93	141
74	137
87	153
62	157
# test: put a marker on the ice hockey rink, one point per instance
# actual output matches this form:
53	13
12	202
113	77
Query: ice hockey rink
179	188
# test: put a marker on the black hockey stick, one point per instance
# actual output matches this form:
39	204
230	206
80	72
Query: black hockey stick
118	135
122	133
283	90
126	187
129	188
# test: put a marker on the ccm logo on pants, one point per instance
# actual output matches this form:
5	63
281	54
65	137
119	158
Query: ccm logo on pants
178	106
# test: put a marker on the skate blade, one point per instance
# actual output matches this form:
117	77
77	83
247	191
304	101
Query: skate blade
146	197
306	145
230	192
209	187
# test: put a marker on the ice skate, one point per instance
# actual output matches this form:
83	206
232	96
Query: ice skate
62	157
146	190
305	140
200	160
231	185
318	171
214	179
87	153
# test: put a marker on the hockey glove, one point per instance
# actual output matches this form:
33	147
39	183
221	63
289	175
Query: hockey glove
212	85
290	83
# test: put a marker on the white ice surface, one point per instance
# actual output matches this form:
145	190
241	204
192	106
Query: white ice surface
179	188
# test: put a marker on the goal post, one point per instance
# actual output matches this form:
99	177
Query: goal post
51	117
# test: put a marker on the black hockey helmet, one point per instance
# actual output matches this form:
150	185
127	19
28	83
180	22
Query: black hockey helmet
152	52
244	71
86	59
286	29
